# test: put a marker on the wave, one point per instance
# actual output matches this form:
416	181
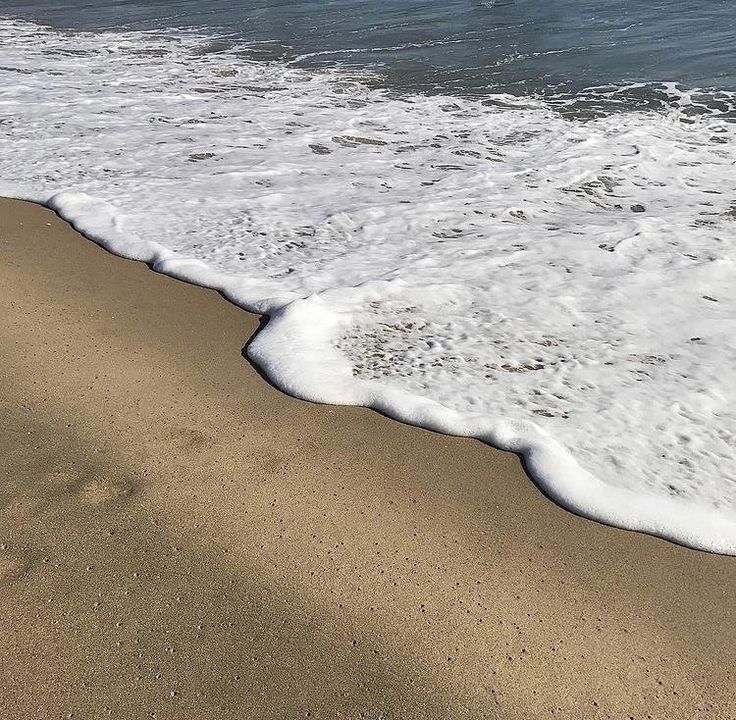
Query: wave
553	281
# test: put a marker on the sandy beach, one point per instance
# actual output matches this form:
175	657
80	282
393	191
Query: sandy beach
178	539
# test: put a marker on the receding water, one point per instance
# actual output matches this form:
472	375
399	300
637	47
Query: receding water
457	46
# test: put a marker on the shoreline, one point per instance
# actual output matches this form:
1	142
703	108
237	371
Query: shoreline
328	567
550	465
427	291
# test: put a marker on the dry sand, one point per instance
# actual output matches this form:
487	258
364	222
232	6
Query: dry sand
181	540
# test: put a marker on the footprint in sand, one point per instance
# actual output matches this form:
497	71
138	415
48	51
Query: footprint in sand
12	567
101	489
91	488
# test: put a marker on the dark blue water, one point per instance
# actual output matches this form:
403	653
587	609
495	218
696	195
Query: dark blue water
462	46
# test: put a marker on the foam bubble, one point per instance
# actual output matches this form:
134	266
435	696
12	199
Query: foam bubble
558	287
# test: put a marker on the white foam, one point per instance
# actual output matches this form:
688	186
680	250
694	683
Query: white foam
559	288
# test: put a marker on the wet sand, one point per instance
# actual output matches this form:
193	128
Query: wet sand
178	539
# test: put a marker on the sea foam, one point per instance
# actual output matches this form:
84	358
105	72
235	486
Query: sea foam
556	286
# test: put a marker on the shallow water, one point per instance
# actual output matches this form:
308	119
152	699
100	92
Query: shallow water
453	46
556	283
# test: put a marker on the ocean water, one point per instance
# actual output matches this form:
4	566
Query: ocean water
498	219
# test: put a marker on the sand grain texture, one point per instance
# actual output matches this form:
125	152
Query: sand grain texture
178	539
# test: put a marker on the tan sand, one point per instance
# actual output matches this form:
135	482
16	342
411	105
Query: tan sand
178	539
